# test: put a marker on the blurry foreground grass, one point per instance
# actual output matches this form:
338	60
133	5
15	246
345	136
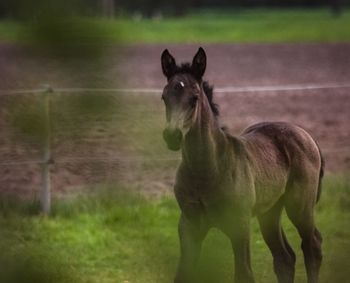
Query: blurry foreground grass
241	25
118	237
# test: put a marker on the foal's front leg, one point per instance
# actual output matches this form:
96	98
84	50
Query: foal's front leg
191	237
240	240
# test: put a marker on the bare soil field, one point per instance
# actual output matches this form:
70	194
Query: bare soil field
127	146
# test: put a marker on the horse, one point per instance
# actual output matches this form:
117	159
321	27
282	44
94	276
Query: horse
225	180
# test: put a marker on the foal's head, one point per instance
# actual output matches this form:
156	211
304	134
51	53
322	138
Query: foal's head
181	95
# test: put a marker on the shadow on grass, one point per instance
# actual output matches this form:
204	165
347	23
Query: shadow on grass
25	263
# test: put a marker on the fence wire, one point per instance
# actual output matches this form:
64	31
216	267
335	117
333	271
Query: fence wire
155	91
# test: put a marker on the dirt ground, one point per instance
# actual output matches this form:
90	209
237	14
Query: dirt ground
323	112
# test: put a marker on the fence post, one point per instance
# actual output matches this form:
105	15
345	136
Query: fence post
45	197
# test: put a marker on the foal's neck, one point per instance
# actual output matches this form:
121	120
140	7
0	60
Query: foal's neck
205	141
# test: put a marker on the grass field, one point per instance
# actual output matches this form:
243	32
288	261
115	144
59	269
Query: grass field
257	25
118	237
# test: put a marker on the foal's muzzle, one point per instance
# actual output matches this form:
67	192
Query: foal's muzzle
173	138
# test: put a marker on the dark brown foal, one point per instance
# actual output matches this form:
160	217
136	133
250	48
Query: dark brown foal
224	180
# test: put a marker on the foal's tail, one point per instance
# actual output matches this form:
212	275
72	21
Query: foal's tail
319	189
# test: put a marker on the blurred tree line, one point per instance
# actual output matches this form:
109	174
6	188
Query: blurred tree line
179	7
32	9
147	8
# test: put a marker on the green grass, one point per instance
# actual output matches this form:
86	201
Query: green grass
120	237
241	25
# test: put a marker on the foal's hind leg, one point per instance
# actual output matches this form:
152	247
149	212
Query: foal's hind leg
300	212
283	254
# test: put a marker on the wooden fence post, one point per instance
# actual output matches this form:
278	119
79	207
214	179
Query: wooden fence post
45	198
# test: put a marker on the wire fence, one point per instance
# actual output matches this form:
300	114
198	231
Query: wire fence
155	91
47	130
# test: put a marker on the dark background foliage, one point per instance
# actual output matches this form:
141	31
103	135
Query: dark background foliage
30	8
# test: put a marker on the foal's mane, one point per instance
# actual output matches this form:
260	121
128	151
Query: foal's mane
207	88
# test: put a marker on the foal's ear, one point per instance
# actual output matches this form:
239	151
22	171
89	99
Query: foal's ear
168	64
199	63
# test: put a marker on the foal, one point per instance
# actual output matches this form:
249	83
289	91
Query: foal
224	180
